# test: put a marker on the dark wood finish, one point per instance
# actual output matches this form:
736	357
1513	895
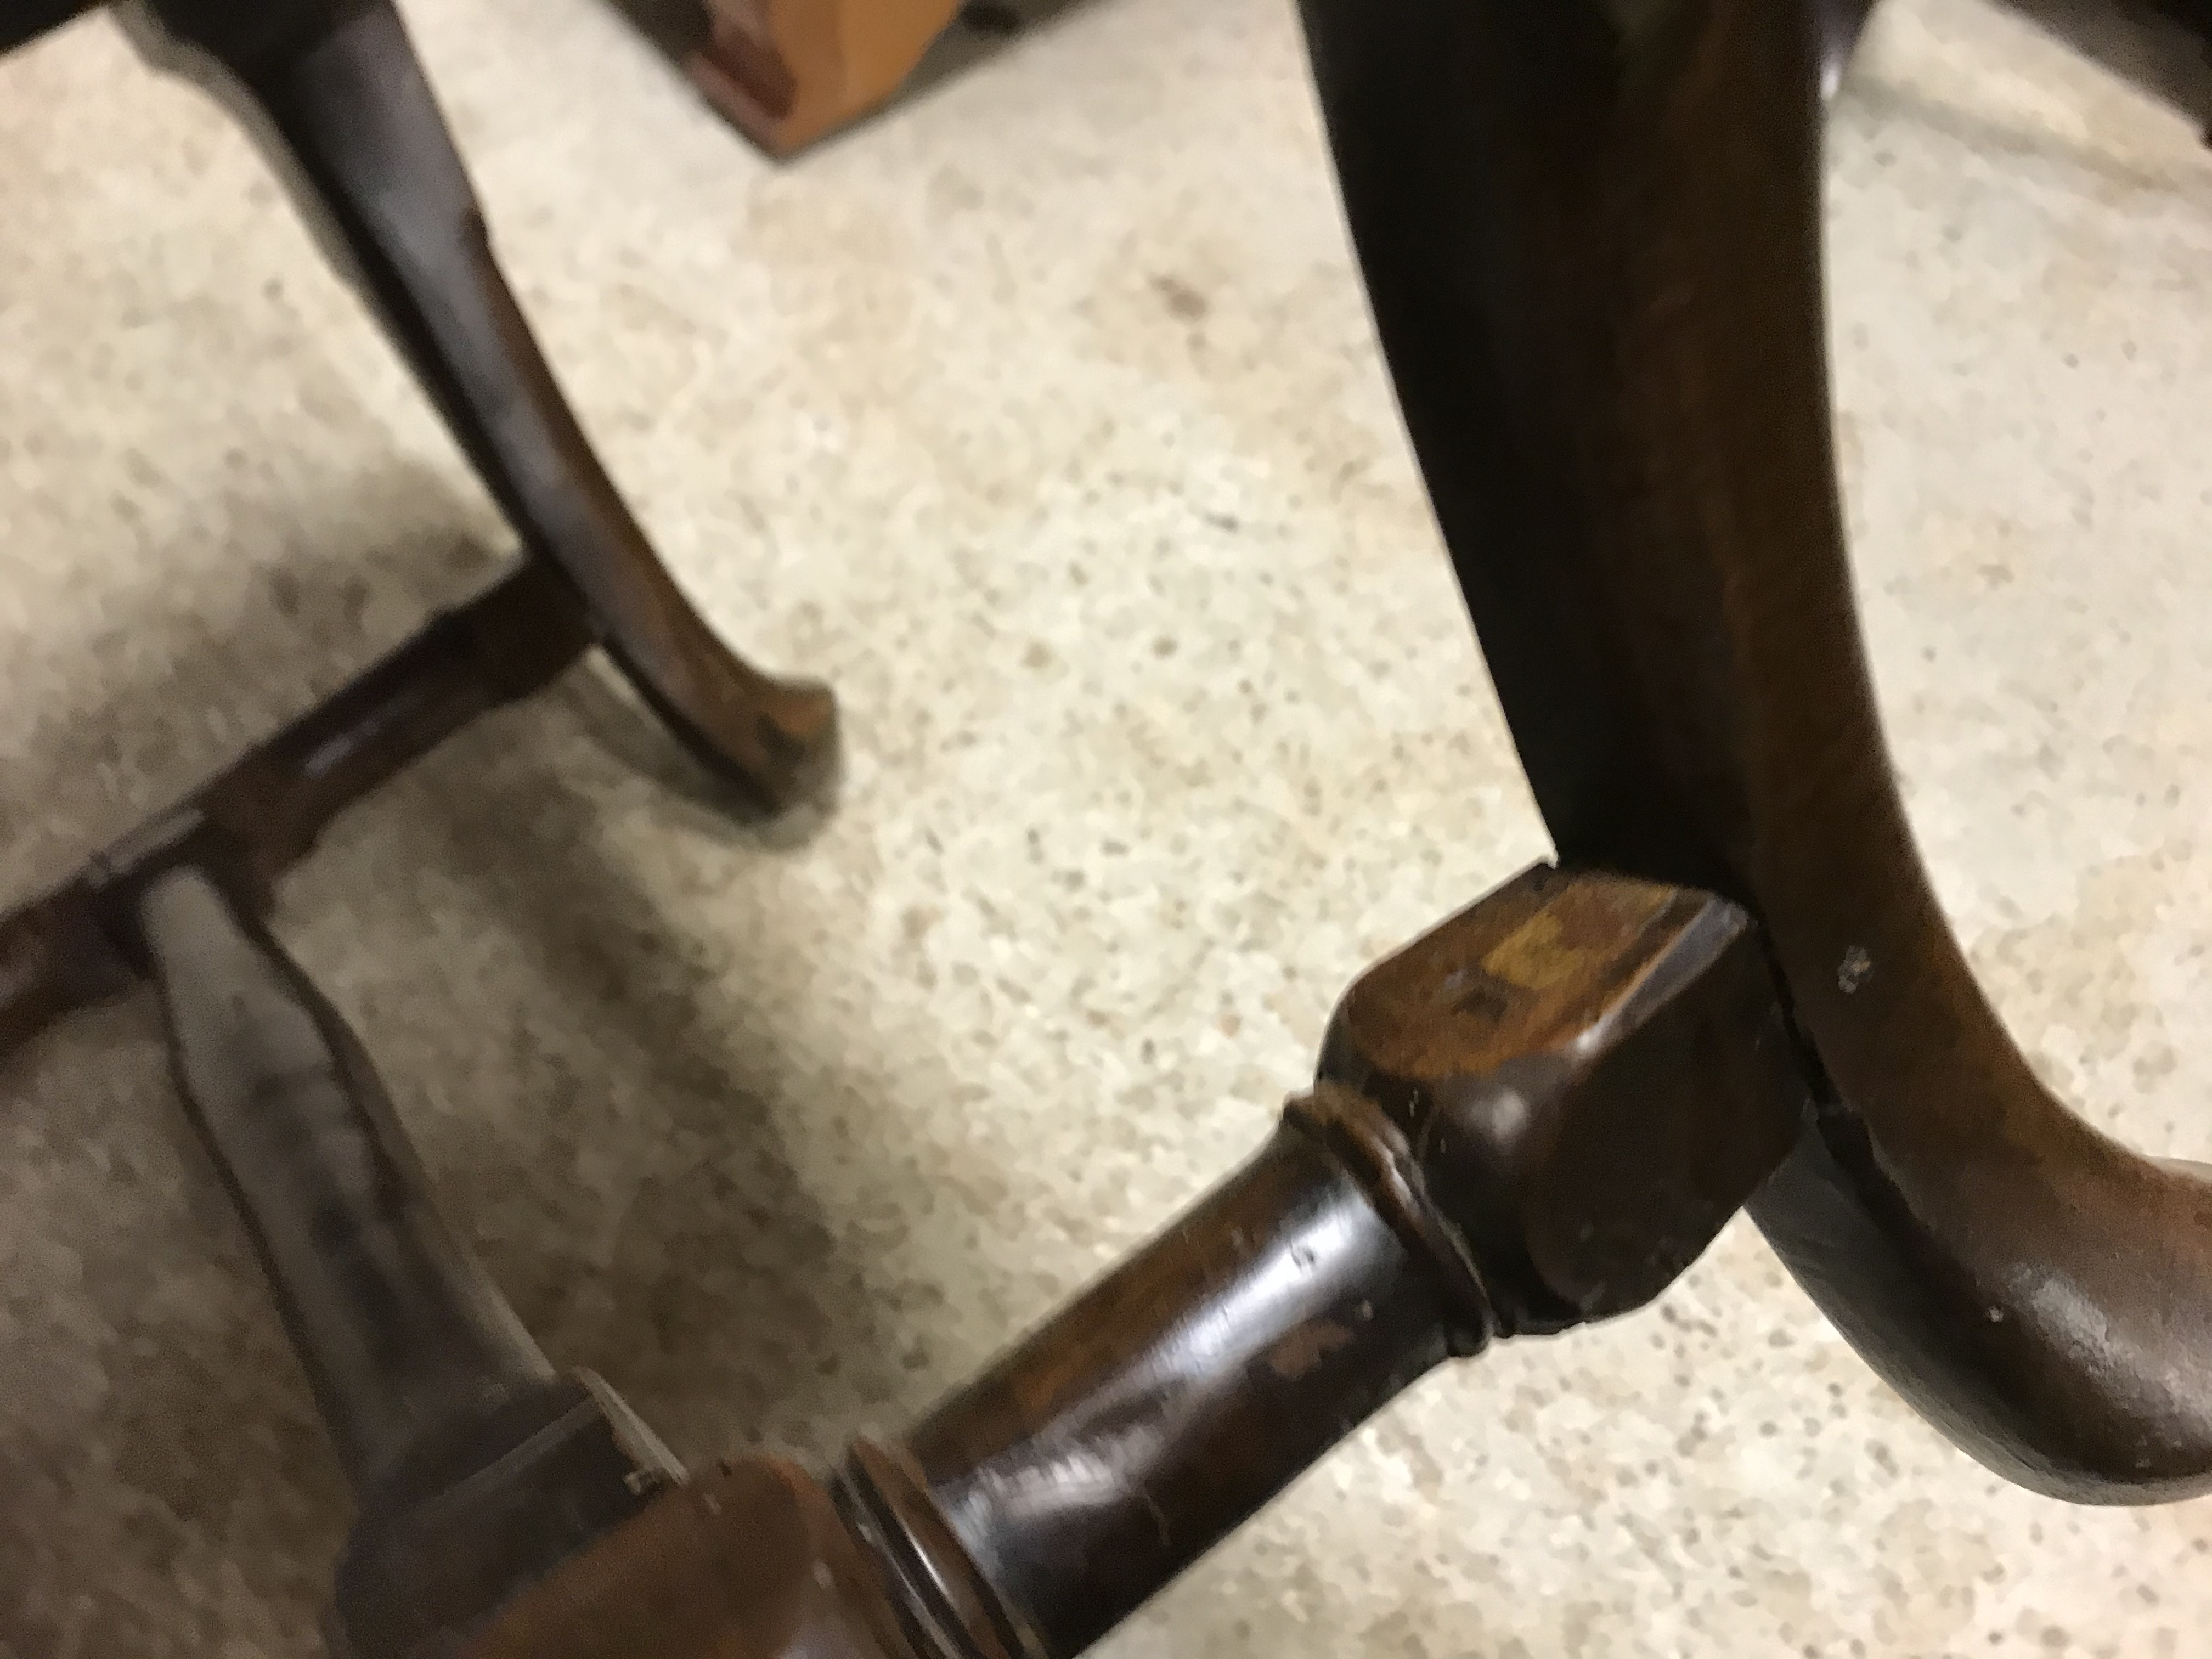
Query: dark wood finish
1592	235
1840	23
334	87
78	945
1571	1087
397	1328
1160	1410
55	957
1537	1115
486	1507
475	1469
1586	1074
749	1562
336	84
23	20
788	72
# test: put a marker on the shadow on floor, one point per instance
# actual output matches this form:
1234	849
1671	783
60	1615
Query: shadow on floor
598	1108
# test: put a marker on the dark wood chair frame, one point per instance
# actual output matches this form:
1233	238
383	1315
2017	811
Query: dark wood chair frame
1591	232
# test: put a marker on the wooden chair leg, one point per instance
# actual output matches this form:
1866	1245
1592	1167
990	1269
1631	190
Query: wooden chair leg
474	1467
1592	235
338	85
1536	1117
789	71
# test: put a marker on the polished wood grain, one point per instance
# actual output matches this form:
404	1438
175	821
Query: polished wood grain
474	1467
398	1327
336	85
751	1561
1537	1115
1592	237
1161	1409
335	88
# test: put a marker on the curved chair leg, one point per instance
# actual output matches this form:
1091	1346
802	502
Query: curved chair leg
1592	237
336	85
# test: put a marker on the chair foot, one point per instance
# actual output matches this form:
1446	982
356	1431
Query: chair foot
337	87
774	741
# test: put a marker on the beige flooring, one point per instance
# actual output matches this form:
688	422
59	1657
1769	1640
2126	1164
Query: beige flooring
1044	419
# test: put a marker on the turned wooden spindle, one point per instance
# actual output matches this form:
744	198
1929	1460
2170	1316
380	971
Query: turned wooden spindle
1536	1116
475	1468
1592	236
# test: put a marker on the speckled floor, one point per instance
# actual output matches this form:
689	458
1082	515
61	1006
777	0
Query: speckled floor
1045	420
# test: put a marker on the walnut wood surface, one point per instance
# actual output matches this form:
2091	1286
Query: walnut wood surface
335	85
1537	1116
751	1561
1572	1085
398	1327
1592	236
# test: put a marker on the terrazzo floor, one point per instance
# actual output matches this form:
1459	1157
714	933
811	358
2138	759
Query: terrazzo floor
1044	419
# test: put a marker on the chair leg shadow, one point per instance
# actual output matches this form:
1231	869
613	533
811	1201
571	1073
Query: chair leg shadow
596	1105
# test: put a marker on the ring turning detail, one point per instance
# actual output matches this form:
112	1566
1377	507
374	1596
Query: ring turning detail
1591	232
